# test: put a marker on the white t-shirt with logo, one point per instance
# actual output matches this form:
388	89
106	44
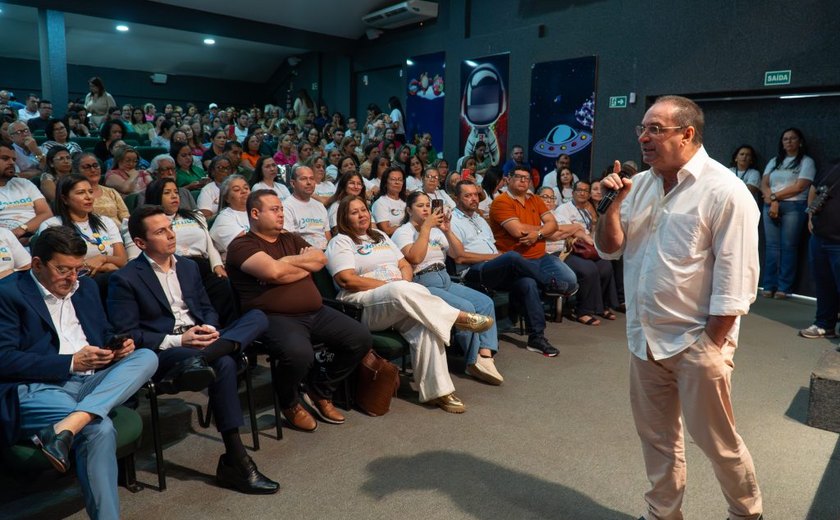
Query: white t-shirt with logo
17	202
308	219
12	254
386	209
412	183
379	261
325	189
227	226
406	235
99	242
280	189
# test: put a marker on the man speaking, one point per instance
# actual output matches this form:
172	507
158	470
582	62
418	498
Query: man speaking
688	230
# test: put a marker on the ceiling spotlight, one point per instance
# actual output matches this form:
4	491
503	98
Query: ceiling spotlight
122	28
209	41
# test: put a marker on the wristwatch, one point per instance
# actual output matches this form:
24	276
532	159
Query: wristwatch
772	197
540	235
24	227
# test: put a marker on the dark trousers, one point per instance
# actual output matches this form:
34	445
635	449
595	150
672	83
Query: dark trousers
520	277
825	267
597	285
218	290
290	340
224	391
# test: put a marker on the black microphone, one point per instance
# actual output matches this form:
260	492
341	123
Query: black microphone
626	172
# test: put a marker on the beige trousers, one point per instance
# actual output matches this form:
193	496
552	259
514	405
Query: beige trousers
424	320
696	382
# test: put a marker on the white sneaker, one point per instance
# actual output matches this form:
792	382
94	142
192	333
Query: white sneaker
814	332
485	370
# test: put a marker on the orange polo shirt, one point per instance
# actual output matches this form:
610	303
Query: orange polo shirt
505	208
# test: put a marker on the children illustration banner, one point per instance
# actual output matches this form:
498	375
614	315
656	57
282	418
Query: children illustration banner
484	105
563	114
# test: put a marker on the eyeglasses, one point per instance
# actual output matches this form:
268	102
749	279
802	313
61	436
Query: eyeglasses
166	169
654	130
548	197
583	191
24	131
520	177
88	167
64	270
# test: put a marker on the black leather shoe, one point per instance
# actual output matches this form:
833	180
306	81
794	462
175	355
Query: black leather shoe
244	477
55	447
191	375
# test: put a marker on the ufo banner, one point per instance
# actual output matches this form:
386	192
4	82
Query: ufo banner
562	114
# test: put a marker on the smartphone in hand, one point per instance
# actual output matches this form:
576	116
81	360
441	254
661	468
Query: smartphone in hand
437	204
117	341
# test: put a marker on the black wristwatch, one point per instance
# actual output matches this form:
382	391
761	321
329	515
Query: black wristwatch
540	235
772	197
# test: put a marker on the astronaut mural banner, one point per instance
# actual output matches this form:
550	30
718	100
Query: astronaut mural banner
484	105
563	114
425	97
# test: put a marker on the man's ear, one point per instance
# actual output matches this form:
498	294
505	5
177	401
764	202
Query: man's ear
140	243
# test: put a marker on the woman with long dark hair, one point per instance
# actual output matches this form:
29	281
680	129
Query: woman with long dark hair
784	187
264	177
348	184
59	165
98	101
218	138
388	209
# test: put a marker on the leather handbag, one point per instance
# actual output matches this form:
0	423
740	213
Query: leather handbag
378	382
584	249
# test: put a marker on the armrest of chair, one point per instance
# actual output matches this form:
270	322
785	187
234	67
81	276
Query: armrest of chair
352	310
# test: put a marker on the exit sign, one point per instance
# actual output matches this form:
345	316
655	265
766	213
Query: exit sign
618	102
776	77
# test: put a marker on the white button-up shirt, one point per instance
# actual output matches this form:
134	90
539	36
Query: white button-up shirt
687	255
71	336
172	289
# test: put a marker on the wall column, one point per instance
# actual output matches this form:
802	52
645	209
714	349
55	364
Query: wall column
53	57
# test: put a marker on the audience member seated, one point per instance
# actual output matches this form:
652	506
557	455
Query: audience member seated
22	206
371	153
304	215
493	184
264	177
285	155
112	130
164	133
107	202
159	300
62	370
40	122
29	110
414	174
232	220
163	167
28	156
388	209
482	267
125	177
597	294
425	239
13	256
324	189
378	168
520	222
74	209
139	123
194	140
348	184
270	270
57	135
402	157
75	123
187	174
250	152
372	273
208	198
218	138
431	187
59	165
305	150
551	178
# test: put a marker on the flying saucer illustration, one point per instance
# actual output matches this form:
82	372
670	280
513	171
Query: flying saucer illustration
563	139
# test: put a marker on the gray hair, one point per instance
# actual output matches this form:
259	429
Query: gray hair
155	164
686	113
225	189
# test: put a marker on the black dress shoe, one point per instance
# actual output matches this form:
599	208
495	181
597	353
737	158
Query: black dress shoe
55	447
190	375
244	477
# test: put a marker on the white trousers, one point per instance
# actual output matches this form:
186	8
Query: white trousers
424	320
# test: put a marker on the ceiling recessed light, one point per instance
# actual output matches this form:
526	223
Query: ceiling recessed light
122	28
209	41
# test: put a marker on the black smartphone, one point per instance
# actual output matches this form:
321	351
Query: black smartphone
117	341
437	204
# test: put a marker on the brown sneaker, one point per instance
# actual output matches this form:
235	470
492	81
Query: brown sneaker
474	322
325	409
300	419
449	403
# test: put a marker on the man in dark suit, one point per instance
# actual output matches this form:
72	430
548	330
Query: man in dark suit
55	384
158	297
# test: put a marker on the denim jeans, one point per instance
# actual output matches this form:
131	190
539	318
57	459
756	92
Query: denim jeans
781	238
552	268
468	300
824	256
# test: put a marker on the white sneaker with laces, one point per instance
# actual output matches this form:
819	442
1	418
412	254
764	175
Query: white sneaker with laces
815	332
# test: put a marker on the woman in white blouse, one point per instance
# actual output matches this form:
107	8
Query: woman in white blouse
389	208
264	177
372	273
426	238
232	220
348	184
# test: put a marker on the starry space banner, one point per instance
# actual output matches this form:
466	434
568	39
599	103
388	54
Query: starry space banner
484	105
563	114
425	97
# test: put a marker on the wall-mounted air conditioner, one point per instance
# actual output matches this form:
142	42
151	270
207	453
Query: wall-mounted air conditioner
403	13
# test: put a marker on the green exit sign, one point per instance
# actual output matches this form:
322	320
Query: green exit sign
618	102
776	77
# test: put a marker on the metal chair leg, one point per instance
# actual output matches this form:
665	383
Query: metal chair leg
249	392
160	463
278	420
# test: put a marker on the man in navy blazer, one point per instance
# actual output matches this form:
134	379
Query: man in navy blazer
159	298
55	385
